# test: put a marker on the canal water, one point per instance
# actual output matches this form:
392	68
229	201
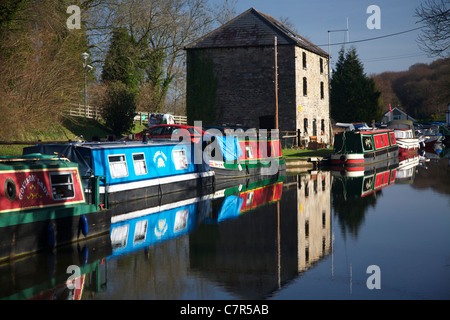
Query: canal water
309	235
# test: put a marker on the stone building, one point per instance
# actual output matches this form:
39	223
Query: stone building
231	78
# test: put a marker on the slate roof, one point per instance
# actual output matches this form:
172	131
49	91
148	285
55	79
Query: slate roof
253	28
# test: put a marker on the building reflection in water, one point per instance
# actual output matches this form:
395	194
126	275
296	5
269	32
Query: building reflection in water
269	246
314	218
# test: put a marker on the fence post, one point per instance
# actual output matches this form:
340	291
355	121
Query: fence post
298	139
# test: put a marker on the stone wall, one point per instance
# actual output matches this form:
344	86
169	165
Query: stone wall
314	105
237	87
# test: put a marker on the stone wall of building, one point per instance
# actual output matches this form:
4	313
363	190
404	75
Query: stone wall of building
312	105
245	85
237	87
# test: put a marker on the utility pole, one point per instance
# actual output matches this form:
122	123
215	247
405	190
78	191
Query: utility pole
276	83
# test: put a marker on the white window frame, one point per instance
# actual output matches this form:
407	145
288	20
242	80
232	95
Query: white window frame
140	231
70	185
140	165
116	173
180	159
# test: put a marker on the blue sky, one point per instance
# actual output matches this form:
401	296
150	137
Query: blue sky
313	18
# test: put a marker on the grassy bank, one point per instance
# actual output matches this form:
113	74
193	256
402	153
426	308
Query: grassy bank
290	154
76	128
72	129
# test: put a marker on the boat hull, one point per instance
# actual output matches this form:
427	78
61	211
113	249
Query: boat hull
223	170
68	225
360	161
43	205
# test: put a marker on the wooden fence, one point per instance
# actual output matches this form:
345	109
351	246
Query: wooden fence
92	112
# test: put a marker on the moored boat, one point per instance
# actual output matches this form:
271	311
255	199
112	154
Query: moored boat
408	143
43	205
238	153
355	150
135	170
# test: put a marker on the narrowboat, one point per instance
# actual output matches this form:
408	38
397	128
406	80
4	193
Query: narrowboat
238	153
43	205
408	143
136	169
354	150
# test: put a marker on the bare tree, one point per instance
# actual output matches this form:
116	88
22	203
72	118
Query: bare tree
435	37
161	29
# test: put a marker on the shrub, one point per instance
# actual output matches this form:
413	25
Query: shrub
119	108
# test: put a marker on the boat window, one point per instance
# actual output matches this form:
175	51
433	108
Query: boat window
62	186
118	166
392	138
179	159
119	237
381	140
140	167
140	231
367	143
10	189
367	184
249	152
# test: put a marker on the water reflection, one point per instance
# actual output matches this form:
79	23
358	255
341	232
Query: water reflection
268	247
248	239
45	276
355	191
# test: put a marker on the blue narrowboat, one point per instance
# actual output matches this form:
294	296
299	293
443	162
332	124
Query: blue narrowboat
134	170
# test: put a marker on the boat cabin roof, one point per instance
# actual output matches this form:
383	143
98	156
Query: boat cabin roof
125	144
34	160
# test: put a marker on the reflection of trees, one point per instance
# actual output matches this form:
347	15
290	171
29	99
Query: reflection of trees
350	207
435	176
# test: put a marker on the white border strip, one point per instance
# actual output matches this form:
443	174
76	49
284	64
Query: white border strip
144	212
153	182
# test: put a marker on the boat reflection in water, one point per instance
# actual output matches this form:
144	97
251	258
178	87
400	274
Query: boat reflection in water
66	273
240	237
162	218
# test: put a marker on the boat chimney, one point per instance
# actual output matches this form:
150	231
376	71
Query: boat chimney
373	124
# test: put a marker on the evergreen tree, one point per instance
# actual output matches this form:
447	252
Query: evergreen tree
122	61
353	97
119	107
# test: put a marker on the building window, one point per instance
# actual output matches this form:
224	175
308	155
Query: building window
304	60
321	65
314	127
305	87
305	125
322	126
321	90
